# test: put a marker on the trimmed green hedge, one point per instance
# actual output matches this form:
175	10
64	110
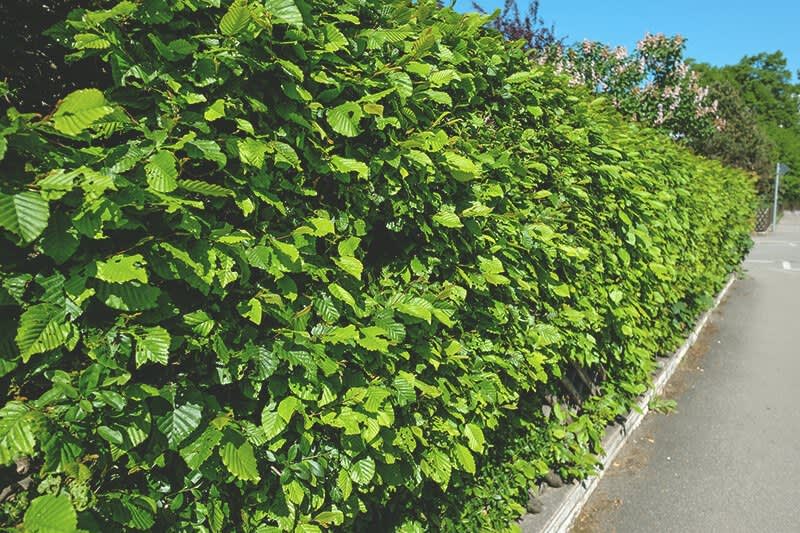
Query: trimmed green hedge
305	265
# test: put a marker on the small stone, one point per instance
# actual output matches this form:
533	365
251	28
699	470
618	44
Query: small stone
535	505
553	479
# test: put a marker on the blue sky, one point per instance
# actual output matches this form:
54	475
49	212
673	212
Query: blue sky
719	32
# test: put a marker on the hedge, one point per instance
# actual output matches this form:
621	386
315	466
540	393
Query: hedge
329	265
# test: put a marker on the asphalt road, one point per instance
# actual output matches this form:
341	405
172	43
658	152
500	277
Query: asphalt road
728	459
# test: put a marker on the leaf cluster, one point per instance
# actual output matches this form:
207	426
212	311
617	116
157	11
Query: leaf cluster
307	265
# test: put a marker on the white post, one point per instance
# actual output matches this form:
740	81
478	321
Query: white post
775	200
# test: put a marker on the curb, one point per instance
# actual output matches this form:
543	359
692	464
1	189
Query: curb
616	436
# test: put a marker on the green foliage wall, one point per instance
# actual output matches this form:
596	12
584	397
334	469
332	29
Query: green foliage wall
320	265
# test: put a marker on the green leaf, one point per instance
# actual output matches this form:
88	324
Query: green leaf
25	214
417	307
285	154
207	149
462	168
180	422
122	268
561	290
285	11
520	77
474	436
152	344
345	165
447	218
344	119
326	308
132	296
114	436
363	471
51	514
79	110
91	41
272	423
205	188
288	407
340	293
162	172
16	430
240	461
252	151
235	19
199	450
334	39
464	458
351	265
404	385
330	518
322	226
215	111
436	465
41	329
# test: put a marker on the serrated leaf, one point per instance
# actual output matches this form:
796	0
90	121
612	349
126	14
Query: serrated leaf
51	514
122	268
344	119
464	458
252	152
288	406
162	172
416	307
16	431
205	188
477	209
561	290
152	344
474	436
131	296
235	19
200	449
79	110
91	41
207	149
346	165
285	154
240	461
326	308
334	39
24	214
215	111
436	465
114	436
285	11
340	293
351	265
41	329
462	168
179	423
363	471
344	484
330	518
272	424
520	77
448	219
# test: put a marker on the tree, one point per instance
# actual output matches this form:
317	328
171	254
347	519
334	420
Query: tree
653	84
766	89
529	27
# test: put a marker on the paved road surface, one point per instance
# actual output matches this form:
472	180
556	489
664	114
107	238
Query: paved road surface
729	459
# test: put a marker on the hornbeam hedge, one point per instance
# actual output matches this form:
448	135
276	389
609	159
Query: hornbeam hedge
302	265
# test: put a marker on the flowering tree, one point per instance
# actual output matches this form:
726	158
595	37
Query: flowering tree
653	84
